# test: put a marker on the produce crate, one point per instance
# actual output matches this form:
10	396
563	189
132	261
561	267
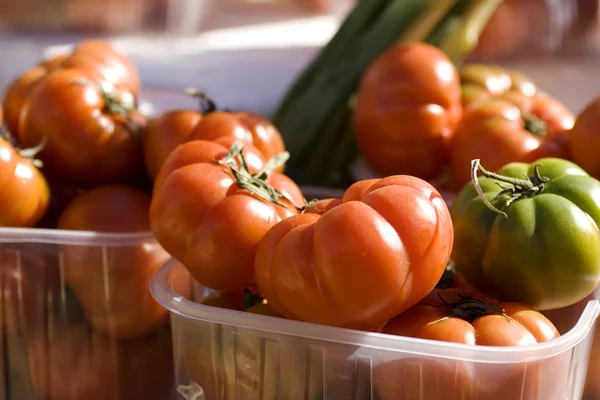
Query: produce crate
230	355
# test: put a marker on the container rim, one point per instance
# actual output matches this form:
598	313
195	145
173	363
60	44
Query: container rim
70	237
92	238
178	304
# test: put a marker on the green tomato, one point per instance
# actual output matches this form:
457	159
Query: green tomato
541	246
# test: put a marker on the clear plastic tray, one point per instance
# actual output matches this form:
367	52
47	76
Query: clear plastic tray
230	355
77	321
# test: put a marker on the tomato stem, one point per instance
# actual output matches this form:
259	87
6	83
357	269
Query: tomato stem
251	297
31	152
207	104
256	184
535	125
517	188
113	104
470	308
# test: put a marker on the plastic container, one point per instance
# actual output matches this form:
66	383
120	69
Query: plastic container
230	355
76	318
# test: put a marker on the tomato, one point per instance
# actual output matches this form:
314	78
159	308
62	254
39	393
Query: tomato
99	59
24	191
245	127
112	282
91	133
349	265
498	132
451	316
107	63
483	82
204	218
503	34
72	362
164	133
200	151
18	91
408	103
584	138
541	246
61	194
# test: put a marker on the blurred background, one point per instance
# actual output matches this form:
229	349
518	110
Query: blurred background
547	37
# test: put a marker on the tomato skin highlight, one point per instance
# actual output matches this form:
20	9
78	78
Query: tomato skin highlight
408	102
24	192
208	223
546	252
357	263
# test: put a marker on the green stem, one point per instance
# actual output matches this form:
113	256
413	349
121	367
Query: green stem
518	188
207	104
256	184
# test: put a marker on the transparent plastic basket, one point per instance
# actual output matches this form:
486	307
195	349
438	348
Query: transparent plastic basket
77	321
222	354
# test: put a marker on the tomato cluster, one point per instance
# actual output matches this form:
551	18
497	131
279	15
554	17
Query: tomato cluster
210	185
417	114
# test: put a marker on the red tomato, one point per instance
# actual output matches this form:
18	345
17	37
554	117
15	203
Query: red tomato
204	219
18	91
99	59
584	139
498	132
107	64
364	260
25	193
443	315
91	134
200	151
72	362
408	103
245	127
164	133
112	282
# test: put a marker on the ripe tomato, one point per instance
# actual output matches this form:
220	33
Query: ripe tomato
72	362
112	283
498	131
243	126
106	63
408	103
362	260
91	134
18	91
211	215
451	316
501	254
201	151
164	133
584	138
483	82
25	193
99	59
